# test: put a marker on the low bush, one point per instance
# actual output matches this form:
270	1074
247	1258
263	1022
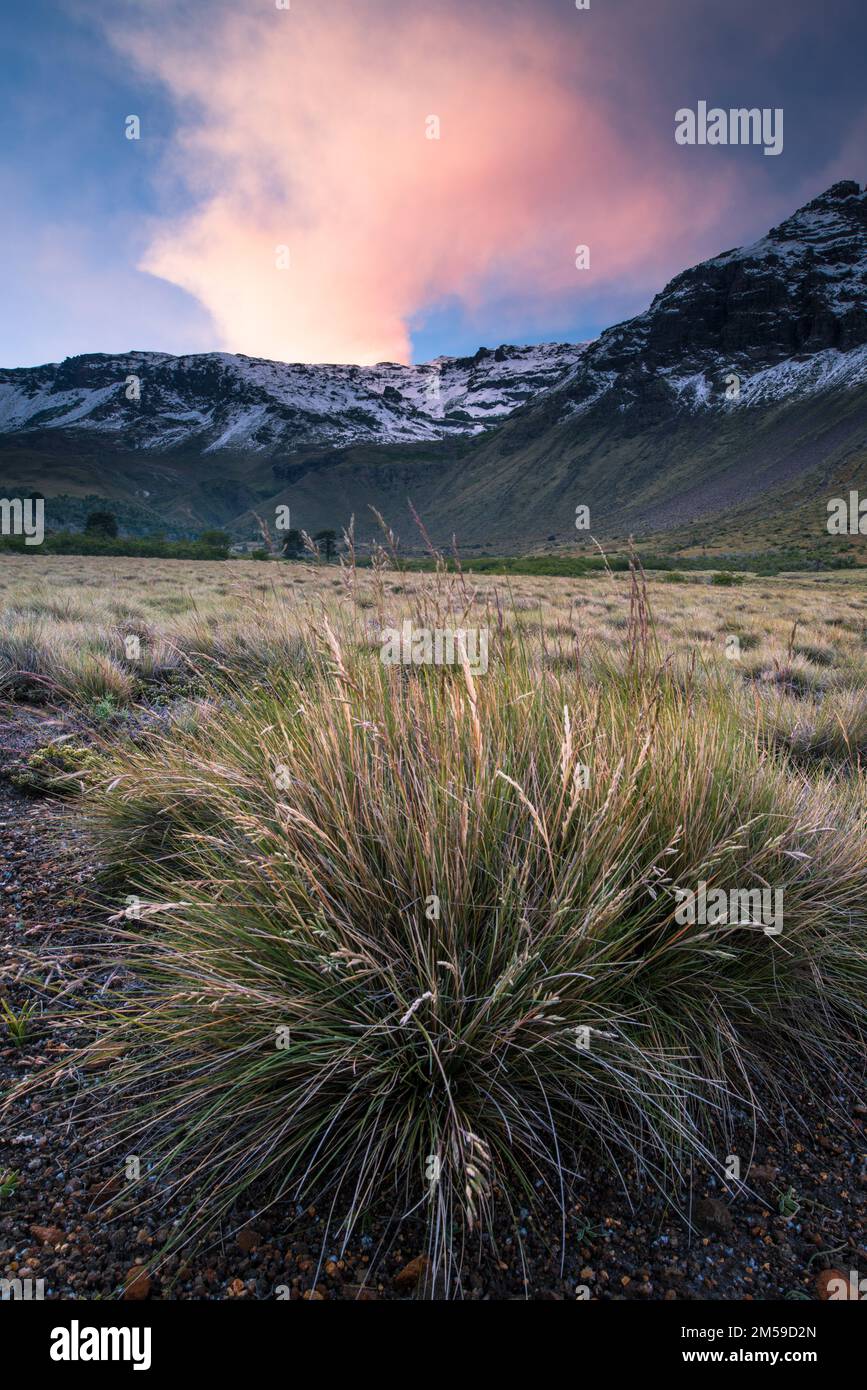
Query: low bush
411	933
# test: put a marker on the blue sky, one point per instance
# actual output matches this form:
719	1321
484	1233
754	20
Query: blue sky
84	208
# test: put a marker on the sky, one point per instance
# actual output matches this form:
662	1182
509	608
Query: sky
392	180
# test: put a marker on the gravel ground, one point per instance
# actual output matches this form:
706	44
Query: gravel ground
67	1217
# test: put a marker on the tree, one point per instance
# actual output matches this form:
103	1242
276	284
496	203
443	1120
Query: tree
328	539
101	524
216	540
293	544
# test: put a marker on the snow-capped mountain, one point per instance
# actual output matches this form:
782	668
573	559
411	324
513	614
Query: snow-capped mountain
743	384
216	401
785	316
741	392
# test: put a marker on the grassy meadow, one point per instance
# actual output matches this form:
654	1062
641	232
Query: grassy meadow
800	659
408	932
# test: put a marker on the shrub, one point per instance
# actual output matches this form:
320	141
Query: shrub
400	874
101	524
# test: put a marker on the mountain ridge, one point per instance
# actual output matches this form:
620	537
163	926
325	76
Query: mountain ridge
746	375
226	400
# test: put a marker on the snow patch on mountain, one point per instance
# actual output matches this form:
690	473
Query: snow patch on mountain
222	401
825	371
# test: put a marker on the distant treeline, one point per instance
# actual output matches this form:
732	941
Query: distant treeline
150	547
214	545
573	566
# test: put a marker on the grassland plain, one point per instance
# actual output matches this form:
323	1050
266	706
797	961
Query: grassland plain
374	970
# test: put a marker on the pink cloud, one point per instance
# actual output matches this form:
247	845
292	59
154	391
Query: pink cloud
308	129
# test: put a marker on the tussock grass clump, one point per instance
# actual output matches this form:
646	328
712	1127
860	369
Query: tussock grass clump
411	935
28	669
833	729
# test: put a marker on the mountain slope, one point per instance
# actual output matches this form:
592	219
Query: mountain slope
648	433
744	384
786	314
